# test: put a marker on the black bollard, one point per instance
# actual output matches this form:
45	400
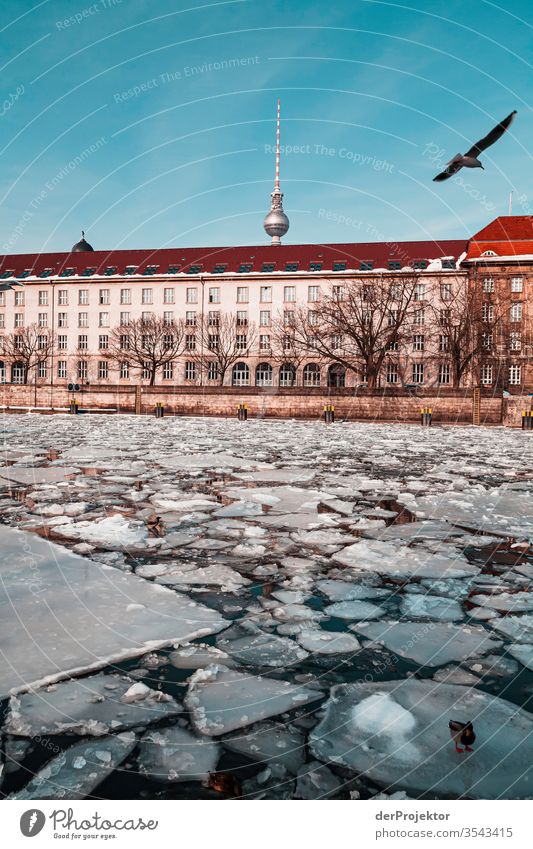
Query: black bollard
242	412
426	414
159	410
73	407
527	420
329	413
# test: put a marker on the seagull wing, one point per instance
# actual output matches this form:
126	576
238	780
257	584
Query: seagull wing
451	169
492	137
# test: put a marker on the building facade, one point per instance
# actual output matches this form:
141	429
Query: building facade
78	305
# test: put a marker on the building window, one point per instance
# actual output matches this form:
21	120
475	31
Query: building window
42	370
368	265
312	342
214	295
145	373
268	267
62	342
289	294
240	375
487	341
418	372
516	312
264	342
213	318
147	296
43	298
168	340
103	342
83	342
242	294
265	294
288	318
444	373
444	343
315	266
43	319
242	318
445	317
487	312
168	371
190	371
212	371
287	375
219	268
2	299
241	341
104	296
190	342
420	291
124	342
419	317
263	375
168	296
83	297
311	375
446	291
264	318
82	370
515	341
338	292
103	370
291	266
213	341
62	297
83	319
392	373
418	342
516	284
392	318
19	319
192	296
62	319
62	369
393	345
312	318
190	318
515	375
168	318
124	318
486	375
313	293
488	286
125	296
2	321
103	319
124	371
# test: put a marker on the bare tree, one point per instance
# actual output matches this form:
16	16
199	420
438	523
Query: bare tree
147	344
29	346
221	341
466	323
355	323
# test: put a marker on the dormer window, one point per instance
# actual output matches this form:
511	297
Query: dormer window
150	269
130	269
24	274
291	266
245	267
315	266
67	272
6	274
268	267
367	265
489	253
219	268
111	269
394	265
88	272
194	269
339	266
448	263
420	264
173	269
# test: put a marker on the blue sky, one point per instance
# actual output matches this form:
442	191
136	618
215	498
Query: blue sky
151	124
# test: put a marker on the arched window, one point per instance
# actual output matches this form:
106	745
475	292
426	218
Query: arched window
489	253
263	375
18	373
336	376
287	375
240	375
311	374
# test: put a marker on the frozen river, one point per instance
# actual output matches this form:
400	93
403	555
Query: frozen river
205	608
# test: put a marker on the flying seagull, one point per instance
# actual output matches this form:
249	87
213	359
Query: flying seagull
5	286
470	158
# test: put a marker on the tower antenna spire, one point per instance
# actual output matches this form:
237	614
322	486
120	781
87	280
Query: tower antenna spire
276	223
276	184
510	203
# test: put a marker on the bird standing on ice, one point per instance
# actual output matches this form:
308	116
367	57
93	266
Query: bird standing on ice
462	732
470	158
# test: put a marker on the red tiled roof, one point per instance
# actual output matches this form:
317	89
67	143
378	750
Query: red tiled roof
379	253
507	235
